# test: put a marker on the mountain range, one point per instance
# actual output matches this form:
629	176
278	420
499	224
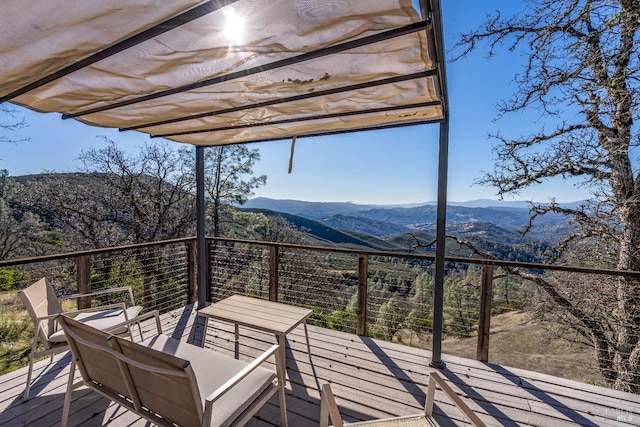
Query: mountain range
492	227
383	221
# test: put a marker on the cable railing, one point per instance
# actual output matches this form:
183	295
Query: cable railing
557	319
494	311
158	272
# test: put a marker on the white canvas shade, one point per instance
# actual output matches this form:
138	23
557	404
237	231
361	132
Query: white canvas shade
171	68
195	69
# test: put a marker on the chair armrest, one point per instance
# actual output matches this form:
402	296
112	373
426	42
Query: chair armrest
119	305
101	292
138	319
468	413
217	394
84	310
41	319
329	408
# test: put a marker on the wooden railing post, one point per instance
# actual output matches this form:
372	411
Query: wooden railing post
363	272
484	323
207	281
83	268
274	261
192	275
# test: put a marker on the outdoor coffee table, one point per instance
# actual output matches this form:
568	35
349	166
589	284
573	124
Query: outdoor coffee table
273	317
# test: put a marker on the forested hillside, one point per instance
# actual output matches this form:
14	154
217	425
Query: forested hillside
495	230
386	229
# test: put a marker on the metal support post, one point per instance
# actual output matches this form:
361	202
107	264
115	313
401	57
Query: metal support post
441	229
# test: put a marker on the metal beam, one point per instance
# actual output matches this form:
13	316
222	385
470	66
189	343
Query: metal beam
439	59
170	24
441	229
386	35
308	95
337	132
304	119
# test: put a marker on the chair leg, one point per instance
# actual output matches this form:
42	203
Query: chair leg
25	397
281	373
34	348
283	407
67	396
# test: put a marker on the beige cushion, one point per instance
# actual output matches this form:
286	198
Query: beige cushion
102	320
212	370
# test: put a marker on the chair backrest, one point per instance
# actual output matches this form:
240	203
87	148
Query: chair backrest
155	383
164	383
93	356
41	301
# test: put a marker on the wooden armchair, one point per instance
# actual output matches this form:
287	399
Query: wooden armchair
170	382
329	409
44	307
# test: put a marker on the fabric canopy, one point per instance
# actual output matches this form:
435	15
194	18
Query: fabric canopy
223	72
233	71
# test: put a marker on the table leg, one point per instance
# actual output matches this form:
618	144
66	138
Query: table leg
237	344
281	366
306	335
283	357
204	333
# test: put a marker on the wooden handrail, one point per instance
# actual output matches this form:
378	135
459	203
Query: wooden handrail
463	260
414	255
64	255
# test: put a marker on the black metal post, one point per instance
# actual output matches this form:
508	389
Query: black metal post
200	232
441	229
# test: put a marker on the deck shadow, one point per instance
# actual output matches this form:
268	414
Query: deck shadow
88	408
480	400
293	372
183	323
397	372
46	376
543	396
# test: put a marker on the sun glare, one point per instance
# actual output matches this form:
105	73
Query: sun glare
234	27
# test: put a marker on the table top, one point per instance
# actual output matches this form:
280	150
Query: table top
256	313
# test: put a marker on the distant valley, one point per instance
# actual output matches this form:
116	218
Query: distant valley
494	228
385	221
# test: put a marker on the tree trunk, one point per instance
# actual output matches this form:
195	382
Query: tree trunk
626	362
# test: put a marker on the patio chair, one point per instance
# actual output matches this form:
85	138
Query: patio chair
170	382
44	306
329	409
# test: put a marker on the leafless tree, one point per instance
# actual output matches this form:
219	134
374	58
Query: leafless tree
120	198
583	74
21	233
13	124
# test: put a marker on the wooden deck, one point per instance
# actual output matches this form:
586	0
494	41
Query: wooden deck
370	378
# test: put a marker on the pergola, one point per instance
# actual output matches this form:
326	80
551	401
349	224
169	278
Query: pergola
225	72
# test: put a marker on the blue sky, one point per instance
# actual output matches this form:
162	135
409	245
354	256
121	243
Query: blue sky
382	167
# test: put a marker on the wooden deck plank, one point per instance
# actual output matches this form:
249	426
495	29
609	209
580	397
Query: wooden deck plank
392	398
370	379
369	391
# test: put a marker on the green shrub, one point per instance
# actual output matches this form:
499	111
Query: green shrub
11	332
341	320
10	278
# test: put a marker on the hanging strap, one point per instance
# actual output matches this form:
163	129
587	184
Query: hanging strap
293	147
